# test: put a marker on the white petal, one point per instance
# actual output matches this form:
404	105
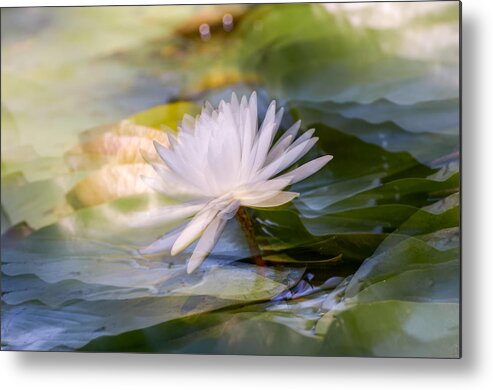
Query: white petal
278	118
247	154
286	159
235	104
181	167
206	244
229	211
296	153
257	197
166	155
277	200
269	116
303	137
252	109
263	192
188	123
174	142
291	132
161	169
262	147
280	147
193	230
165	214
209	108
262	189
171	185
275	184
149	157
228	150
244	105
307	169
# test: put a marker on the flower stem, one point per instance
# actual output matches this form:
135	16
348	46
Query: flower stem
246	224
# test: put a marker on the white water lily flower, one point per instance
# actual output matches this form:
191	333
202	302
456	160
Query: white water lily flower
222	160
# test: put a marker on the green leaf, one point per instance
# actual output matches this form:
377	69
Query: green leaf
393	329
416	192
91	286
356	64
408	255
439	283
426	145
253	332
439	116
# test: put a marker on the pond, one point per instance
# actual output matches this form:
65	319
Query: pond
364	262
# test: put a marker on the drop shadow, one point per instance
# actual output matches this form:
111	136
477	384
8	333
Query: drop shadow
470	194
